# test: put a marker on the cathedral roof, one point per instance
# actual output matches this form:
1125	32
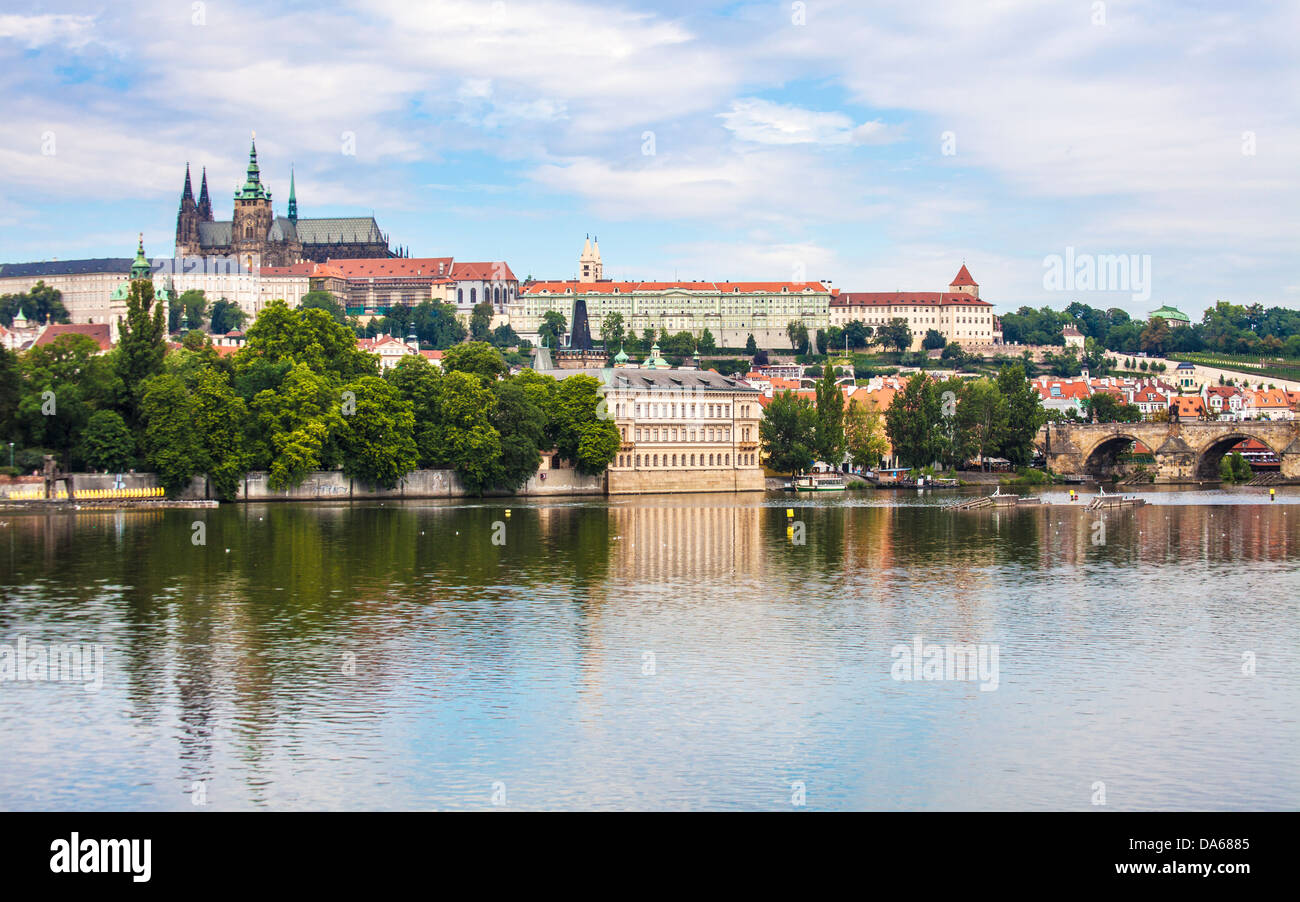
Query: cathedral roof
345	229
215	234
282	229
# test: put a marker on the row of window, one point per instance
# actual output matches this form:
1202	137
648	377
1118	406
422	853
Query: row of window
673	411
495	295
624	461
680	434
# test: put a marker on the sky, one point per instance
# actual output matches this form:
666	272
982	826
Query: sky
876	146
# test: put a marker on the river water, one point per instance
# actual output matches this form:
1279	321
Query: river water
666	652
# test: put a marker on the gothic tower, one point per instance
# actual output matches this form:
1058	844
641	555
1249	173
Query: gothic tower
187	220
252	221
590	268
293	198
205	202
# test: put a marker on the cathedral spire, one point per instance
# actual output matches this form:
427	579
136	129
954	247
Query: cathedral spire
188	193
205	202
293	198
253	188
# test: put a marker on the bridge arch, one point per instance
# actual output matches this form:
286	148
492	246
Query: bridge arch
1101	459
1211	454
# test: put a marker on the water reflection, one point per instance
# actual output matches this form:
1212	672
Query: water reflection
678	652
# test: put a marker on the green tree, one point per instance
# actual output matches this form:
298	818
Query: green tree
504	337
376	436
1104	407
460	434
307	336
864	434
226	317
933	340
829	433
480	321
324	300
913	421
583	434
141	346
194	304
1025	415
170	438
858	334
894	334
477	358
107	443
982	418
39	305
788	431
64	382
552	328
797	332
299	419
220	419
611	331
708	344
521	422
436	324
751	346
11	391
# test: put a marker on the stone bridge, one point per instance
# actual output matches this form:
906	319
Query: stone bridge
1184	452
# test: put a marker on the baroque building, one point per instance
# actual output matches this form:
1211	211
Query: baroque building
957	314
731	311
257	237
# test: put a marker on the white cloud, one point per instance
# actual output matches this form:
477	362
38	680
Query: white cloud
764	122
32	32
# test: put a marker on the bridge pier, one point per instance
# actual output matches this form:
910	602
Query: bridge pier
1182	452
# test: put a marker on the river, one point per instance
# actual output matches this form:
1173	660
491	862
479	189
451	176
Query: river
658	652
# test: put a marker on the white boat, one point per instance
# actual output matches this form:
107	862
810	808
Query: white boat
819	482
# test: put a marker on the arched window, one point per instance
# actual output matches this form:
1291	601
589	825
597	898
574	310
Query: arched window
656	461
692	460
473	295
460	295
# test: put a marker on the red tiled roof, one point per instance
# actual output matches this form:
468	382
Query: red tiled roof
626	287
98	331
295	269
964	278
1274	398
483	272
900	298
388	268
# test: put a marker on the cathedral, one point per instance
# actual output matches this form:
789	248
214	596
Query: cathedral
256	233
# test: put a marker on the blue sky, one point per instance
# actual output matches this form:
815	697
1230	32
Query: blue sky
874	145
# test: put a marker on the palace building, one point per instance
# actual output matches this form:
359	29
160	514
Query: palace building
256	236
957	314
731	311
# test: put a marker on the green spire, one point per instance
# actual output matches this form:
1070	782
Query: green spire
621	356
253	188
293	198
141	269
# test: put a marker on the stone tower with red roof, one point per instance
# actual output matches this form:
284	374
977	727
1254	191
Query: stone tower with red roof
963	283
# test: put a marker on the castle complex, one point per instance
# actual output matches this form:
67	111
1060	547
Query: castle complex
256	236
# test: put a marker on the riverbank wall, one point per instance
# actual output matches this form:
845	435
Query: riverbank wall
327	485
